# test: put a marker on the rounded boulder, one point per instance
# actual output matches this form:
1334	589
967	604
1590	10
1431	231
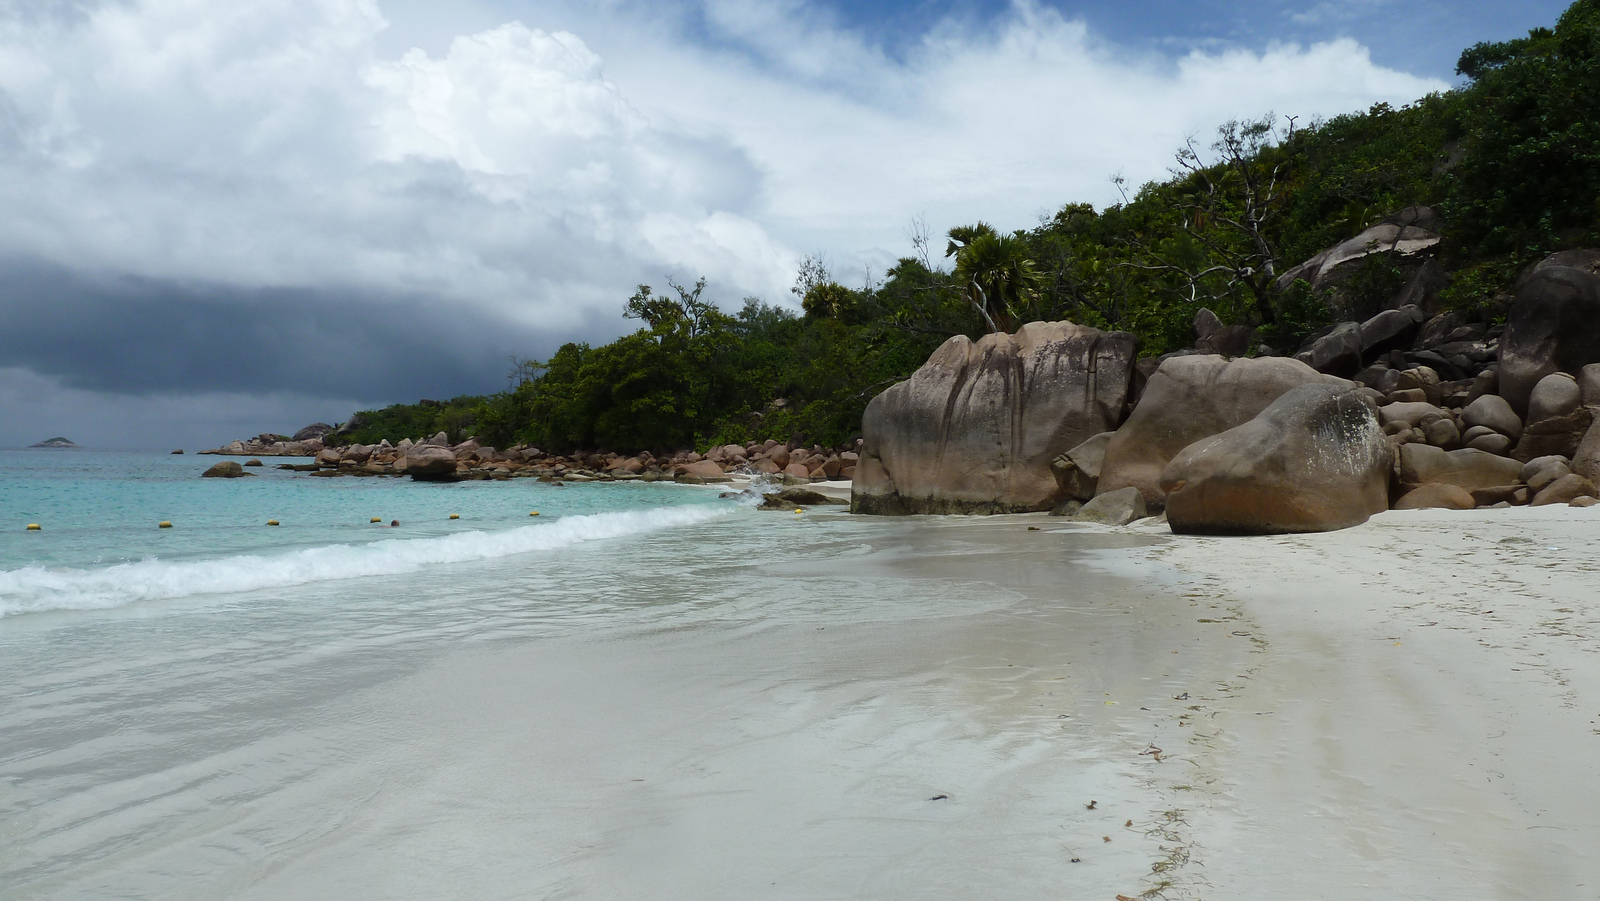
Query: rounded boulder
1314	460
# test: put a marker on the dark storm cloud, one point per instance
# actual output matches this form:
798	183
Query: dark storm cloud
138	336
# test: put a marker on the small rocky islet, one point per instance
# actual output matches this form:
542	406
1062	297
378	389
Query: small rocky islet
1413	407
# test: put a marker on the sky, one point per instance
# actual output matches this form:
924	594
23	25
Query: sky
230	218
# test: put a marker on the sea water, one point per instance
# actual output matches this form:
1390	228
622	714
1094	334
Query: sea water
647	691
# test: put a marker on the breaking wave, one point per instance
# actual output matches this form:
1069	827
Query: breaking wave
34	588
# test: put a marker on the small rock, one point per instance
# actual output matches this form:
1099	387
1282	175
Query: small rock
1436	496
1115	508
1494	443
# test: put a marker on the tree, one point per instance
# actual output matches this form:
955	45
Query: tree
995	272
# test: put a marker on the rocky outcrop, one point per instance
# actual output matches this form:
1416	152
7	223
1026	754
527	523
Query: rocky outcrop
1557	419
1466	468
227	469
1346	348
430	463
1313	460
1190	398
1408	237
1212	337
1553	325
975	428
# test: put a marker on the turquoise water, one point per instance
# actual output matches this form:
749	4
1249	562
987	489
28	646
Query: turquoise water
646	692
100	544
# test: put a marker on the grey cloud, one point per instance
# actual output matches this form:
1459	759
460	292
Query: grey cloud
134	336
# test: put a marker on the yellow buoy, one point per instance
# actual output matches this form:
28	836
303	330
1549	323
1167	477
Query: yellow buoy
799	510
272	522
534	513
33	527
164	525
455	516
377	519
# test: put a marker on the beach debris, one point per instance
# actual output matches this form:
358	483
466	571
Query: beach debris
939	798
1090	805
1105	838
1033	528
1128	825
1077	860
1182	697
1153	752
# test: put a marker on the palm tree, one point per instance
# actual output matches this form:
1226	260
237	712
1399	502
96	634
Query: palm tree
994	272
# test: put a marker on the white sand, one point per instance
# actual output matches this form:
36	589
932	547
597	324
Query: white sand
1407	710
1419	717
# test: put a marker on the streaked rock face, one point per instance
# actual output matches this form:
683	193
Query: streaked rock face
975	428
1314	460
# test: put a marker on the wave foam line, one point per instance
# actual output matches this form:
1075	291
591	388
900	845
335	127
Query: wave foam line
34	589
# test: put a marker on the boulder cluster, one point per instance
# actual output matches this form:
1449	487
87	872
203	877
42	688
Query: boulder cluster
437	459
1403	410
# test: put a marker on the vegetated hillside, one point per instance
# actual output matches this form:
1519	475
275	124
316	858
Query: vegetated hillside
1510	160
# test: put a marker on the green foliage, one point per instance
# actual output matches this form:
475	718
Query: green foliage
1301	311
1529	183
456	418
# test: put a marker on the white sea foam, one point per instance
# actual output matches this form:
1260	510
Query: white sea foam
34	588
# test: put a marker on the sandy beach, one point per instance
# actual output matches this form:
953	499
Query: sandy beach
1408	709
1420	716
835	706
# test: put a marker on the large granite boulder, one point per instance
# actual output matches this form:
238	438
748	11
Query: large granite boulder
1408	233
1314	460
1553	325
1189	398
430	463
975	428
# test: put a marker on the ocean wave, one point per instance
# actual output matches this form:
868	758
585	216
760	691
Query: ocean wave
34	588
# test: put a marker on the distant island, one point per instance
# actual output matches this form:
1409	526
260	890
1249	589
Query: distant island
57	441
